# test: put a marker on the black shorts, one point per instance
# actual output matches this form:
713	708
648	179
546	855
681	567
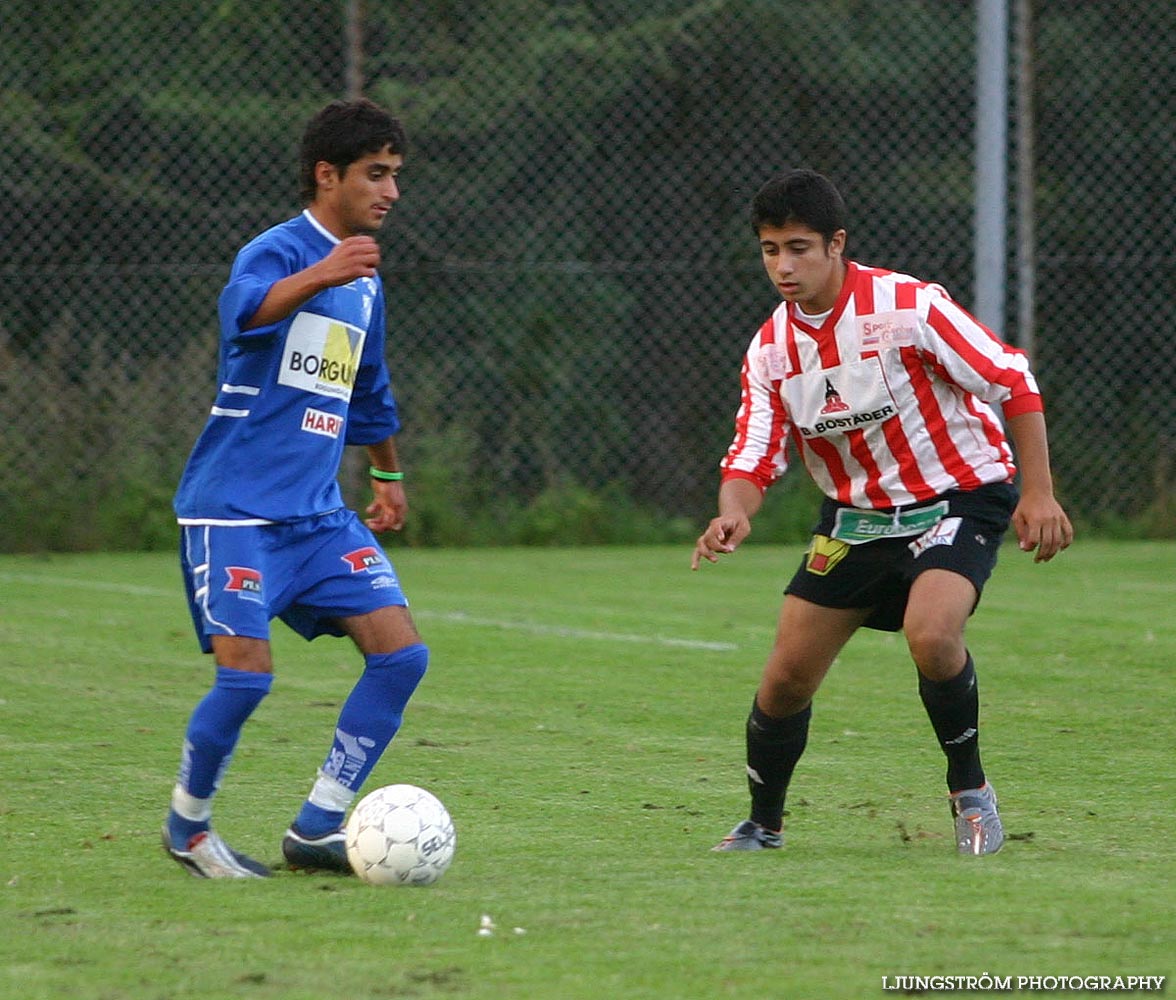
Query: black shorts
878	574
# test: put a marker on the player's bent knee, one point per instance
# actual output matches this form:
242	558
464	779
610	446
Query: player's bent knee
387	630
784	694
404	668
238	652
937	654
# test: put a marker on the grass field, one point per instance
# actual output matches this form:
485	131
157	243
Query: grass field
582	719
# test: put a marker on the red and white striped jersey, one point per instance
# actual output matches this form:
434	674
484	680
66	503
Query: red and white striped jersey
890	402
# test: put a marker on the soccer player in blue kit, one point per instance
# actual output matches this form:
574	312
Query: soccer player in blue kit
264	530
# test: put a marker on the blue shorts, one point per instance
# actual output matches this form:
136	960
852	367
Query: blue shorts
309	573
964	536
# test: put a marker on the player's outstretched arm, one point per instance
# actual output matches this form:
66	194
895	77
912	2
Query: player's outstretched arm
1042	526
739	499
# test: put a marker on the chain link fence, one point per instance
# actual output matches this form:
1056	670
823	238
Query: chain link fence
570	273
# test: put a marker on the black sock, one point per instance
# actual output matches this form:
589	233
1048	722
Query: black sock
954	709
773	748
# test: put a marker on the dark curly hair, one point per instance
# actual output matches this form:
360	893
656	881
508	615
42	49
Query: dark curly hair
341	133
801	196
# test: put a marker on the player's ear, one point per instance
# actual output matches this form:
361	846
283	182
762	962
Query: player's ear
325	175
837	242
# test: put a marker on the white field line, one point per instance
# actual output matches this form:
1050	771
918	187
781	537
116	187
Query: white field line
534	628
449	617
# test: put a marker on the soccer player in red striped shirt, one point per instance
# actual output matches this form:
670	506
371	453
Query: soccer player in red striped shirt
897	402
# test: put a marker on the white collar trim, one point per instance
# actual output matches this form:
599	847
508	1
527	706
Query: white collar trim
319	226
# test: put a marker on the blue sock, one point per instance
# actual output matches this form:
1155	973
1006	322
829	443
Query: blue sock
368	720
212	734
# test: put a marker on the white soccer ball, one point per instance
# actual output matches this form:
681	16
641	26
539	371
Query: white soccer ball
400	835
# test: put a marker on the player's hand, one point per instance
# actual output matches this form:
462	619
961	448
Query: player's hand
354	257
389	507
722	536
1042	527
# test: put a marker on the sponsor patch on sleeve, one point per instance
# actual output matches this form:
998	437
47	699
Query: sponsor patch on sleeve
775	362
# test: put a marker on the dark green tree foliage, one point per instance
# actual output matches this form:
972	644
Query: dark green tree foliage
586	180
571	276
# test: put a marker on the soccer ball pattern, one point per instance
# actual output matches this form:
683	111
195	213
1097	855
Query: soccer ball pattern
400	835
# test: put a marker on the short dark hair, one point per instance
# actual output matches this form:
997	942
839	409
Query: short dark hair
341	133
801	196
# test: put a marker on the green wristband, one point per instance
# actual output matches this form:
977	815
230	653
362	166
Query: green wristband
384	477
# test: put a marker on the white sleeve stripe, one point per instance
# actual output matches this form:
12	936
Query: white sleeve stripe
244	390
220	411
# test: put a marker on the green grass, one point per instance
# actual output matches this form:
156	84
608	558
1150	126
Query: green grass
582	719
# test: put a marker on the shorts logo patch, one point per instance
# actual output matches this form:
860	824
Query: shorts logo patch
366	560
824	554
318	422
944	533
245	582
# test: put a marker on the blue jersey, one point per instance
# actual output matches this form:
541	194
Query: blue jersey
291	394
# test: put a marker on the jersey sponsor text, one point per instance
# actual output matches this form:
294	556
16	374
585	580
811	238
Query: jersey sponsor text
840	423
318	422
321	355
888	329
